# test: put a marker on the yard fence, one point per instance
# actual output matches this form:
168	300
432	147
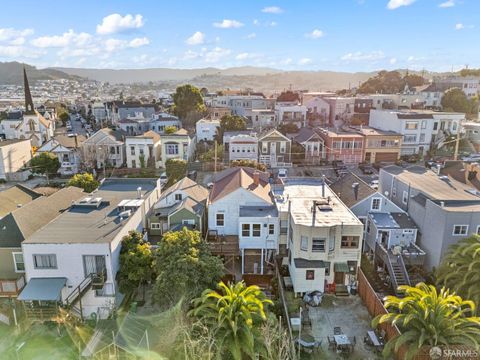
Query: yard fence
375	307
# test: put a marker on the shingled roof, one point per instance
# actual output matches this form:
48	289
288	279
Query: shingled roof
15	197
343	187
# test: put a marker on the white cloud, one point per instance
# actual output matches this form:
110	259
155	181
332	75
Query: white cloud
304	61
255	22
395	4
18	52
13	36
447	4
272	10
251	36
360	56
286	61
216	54
112	45
242	56
196	39
315	34
137	42
116	23
272	23
393	61
459	26
69	38
228	24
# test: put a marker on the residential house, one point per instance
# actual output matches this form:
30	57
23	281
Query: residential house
465	172
421	129
206	129
216	113
275	149
182	204
22	222
323	236
341	110
105	148
291	114
470	85
161	120
343	145
123	109
472	133
14	154
179	145
361	111
312	143
99	110
262	118
318	111
73	261
15	197
380	145
67	150
242	147
242	218
143	150
444	209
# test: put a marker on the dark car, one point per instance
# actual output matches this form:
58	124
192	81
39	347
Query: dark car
366	168
192	175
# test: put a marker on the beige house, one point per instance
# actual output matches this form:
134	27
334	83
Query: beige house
178	145
105	148
324	237
143	150
380	145
14	154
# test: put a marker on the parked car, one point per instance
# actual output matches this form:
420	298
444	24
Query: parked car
472	158
192	175
374	184
366	168
282	173
163	178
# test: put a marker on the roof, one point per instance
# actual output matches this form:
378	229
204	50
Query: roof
310	264
232	179
440	188
370	131
304	134
190	187
152	135
11	142
23	222
465	173
272	133
343	187
15	197
80	224
43	289
396	220
258	211
117	135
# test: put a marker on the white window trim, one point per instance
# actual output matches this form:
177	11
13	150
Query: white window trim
302	248
405	198
379	205
188	222
455	225
15	262
216	219
155	226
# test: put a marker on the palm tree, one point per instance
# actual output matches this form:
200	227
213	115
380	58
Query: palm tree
236	313
428	318
460	269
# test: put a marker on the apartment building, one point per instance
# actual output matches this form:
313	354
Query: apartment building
341	110
291	114
343	145
242	147
380	145
143	150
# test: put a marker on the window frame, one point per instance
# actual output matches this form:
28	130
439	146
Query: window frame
223	219
243	230
405	197
303	243
379	204
15	263
45	267
255	230
309	275
178	197
460	234
155	226
271	229
321	240
349	242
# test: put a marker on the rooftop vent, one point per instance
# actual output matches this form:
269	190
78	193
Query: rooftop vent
325	208
89	202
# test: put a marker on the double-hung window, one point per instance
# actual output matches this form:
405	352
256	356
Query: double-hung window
459	230
45	261
376	204
256	230
318	244
220	219
18	261
246	230
304	243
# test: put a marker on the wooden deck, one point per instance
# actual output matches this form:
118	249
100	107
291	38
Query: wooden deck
223	245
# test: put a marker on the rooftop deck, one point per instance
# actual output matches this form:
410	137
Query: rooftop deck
223	245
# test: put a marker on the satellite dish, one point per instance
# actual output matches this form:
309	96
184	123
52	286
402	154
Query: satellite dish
386	193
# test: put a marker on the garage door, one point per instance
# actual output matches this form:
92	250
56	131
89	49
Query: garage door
386	157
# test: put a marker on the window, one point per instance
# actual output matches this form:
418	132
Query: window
454	126
18	261
246	230
220	219
256	229
304	243
405	197
141	151
132	150
188	222
409	138
271	229
424	124
283	147
155	226
264	147
327	270
283	226
422	138
435	125
171	149
112	150
394	192
310	275
350	242
460	230
376	204
45	261
178	197
411	125
94	264
134	163
318	245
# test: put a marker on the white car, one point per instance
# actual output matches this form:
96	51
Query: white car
472	158
282	173
163	178
374	184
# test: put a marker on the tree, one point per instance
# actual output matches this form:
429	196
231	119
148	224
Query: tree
236	313
184	267
63	116
85	181
230	123
455	99
460	269
287	128
45	163
413	80
390	82
176	169
288	96
248	163
136	262
187	100
170	130
428	318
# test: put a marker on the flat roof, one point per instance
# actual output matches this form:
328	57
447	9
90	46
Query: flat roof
92	224
258	211
302	193
370	131
43	289
392	220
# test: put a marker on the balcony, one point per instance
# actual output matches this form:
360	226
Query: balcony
12	287
412	255
223	245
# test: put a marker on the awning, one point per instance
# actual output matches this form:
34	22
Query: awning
43	289
310	264
341	267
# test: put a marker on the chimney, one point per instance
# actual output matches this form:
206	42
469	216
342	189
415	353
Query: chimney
256	178
139	192
314	212
355	189
323	186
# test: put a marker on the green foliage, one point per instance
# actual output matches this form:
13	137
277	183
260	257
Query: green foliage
45	163
136	262
288	96
287	128
469	72
176	169
389	82
460	269
187	100
455	99
210	154
85	181
426	317
248	163
184	267
63	117
236	314
230	123
170	130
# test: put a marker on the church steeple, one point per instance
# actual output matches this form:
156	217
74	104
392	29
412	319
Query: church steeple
29	109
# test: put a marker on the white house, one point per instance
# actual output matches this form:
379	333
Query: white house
243	147
207	129
318	110
105	148
291	114
31	126
143	150
74	260
14	154
67	150
179	145
263	118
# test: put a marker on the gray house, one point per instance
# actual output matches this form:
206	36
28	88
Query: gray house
444	209
274	149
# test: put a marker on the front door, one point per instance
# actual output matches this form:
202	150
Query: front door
339	278
273	154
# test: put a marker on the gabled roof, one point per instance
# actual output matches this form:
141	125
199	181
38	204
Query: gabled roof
232	179
343	187
152	135
305	134
62	141
25	221
190	187
274	133
15	196
101	134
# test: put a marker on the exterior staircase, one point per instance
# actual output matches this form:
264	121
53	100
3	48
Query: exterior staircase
398	272
73	302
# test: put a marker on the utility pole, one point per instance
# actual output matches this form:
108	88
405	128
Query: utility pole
215	158
457	143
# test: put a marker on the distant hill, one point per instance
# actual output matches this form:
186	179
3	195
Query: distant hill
11	73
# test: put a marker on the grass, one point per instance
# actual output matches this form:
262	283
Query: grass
293	303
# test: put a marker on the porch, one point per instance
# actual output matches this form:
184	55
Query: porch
226	247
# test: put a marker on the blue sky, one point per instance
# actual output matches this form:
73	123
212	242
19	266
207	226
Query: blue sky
340	35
